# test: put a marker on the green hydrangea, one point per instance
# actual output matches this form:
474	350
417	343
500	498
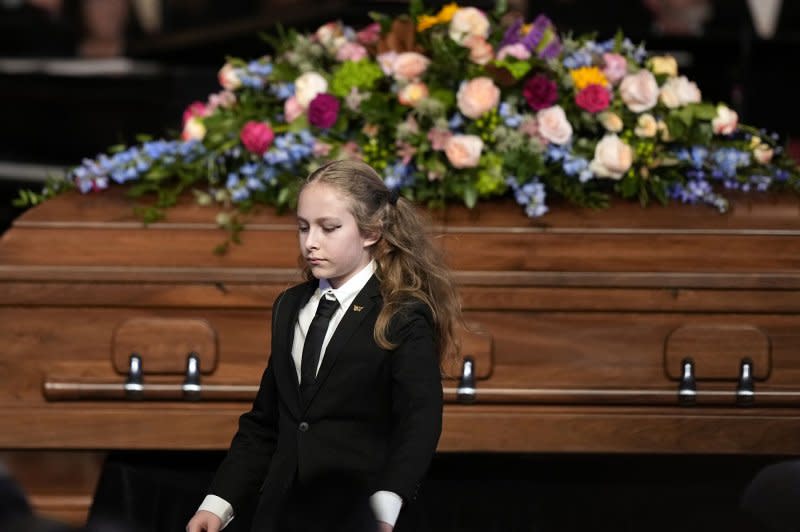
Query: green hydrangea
355	74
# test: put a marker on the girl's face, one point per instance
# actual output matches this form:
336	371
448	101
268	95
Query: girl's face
330	241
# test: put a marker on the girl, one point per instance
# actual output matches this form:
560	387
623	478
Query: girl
352	390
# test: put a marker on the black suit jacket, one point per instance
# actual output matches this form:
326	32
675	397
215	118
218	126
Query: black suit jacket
375	414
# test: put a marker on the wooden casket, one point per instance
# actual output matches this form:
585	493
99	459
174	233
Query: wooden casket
660	330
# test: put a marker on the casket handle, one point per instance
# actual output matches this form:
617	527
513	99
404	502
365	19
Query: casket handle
465	393
134	384
745	389
687	388
191	384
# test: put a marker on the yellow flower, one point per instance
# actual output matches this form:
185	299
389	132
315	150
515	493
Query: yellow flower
446	13
584	76
426	21
664	64
525	29
442	17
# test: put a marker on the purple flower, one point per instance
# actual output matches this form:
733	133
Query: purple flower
323	110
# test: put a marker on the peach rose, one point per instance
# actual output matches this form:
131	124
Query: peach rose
612	157
228	77
466	22
553	125
611	121
677	92
412	94
477	96
639	91
646	126
726	120
409	66
615	67
463	151
664	64
763	153
308	86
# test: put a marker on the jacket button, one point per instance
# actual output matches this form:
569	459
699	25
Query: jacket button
303	426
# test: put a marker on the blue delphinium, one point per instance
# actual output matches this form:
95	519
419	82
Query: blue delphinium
531	195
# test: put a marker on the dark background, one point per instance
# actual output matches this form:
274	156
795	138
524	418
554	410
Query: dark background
53	117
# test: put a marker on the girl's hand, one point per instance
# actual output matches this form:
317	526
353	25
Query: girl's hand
384	527
204	521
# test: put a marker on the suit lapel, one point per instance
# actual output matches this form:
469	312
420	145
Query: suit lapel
362	305
285	370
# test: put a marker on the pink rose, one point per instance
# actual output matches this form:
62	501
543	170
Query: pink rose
464	151
540	92
639	91
553	125
351	51
477	96
292	109
615	67
726	120
370	34
195	108
225	99
594	98
409	66
323	110
257	137
480	51
321	149
517	51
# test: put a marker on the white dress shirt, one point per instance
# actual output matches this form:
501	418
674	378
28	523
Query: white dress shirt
385	504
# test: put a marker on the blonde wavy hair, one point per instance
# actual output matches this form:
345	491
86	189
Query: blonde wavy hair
409	266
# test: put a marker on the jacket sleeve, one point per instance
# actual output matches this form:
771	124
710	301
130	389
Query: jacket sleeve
245	467
416	401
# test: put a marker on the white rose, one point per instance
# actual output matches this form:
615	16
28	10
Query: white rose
307	86
726	121
193	129
646	126
553	125
679	91
611	121
464	151
639	91
612	157
466	22
228	78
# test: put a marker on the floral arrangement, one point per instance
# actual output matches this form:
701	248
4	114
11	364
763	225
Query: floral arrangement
455	105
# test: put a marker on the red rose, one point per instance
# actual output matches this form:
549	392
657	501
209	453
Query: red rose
257	137
323	110
594	98
540	92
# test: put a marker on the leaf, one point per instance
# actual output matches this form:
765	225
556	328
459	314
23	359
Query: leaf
470	196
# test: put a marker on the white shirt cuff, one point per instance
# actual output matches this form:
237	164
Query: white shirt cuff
386	506
219	507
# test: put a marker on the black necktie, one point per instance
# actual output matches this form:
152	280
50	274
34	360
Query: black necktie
313	344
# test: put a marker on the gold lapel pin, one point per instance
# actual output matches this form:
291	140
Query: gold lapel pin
358	308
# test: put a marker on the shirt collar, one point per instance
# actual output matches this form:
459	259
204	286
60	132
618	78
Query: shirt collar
348	291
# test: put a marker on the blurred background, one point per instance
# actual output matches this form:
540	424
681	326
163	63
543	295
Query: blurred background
77	76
